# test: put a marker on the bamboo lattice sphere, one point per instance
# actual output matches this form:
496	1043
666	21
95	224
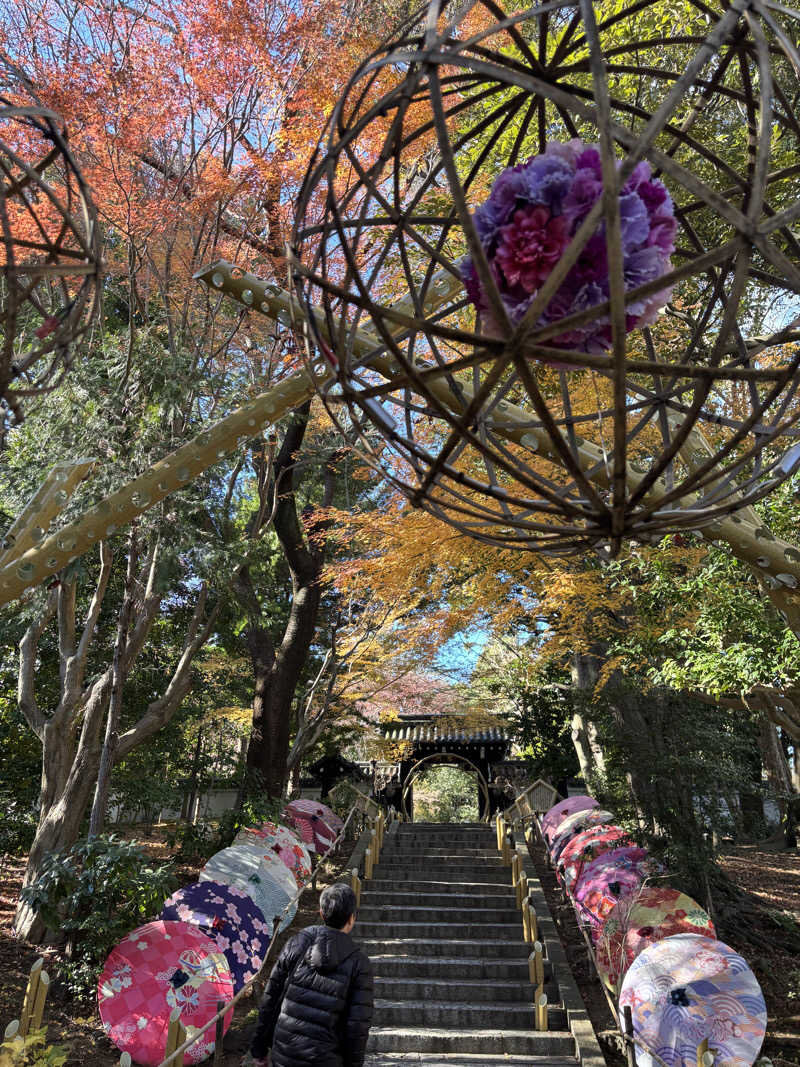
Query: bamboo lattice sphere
528	409
49	244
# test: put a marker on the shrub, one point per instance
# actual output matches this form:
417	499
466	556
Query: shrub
31	1051
193	841
95	893
18	819
254	812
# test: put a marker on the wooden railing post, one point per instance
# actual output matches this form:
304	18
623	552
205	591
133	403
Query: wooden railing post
630	1048
219	1035
705	1057
534	921
498	825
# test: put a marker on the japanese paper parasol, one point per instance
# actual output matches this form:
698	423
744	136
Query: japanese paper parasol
585	847
576	824
286	845
228	916
313	829
152	971
641	919
607	880
687	988
562	809
264	878
316	807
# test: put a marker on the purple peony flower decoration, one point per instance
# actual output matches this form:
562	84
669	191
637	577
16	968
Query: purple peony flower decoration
532	214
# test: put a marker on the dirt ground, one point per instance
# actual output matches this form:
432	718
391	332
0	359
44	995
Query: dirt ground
771	875
77	1026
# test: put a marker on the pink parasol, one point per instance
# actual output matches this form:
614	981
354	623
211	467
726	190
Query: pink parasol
689	988
159	967
641	919
606	880
313	829
316	807
562	809
576	824
585	847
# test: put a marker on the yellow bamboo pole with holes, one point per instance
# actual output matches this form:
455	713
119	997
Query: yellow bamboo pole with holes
29	1000
532	969
367	865
755	545
515	871
498	825
541	1011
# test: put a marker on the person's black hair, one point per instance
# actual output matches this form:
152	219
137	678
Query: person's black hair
336	904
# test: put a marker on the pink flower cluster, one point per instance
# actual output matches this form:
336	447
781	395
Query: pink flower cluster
533	212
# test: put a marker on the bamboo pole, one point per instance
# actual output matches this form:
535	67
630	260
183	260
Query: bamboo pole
498	825
355	885
506	850
367	865
526	922
534	918
705	1057
515	873
538	959
11	1032
541	1011
176	1035
29	1001
522	890
41	997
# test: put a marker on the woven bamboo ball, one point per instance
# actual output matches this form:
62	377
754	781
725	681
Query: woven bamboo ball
540	370
49	247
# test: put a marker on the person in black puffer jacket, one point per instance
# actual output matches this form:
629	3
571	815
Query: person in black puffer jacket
317	1008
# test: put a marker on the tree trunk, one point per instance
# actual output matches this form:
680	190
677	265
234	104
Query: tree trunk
97	818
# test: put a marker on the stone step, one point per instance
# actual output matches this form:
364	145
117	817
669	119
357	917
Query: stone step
436	946
456	1016
421	884
459	990
401	913
502	898
492	1041
403	872
462	1059
401	848
469	968
463	931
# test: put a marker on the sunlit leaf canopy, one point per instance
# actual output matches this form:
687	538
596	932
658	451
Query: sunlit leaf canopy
504	432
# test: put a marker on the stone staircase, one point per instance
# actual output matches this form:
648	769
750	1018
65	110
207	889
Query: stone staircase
440	924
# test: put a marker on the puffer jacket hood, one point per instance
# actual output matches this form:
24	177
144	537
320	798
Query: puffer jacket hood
330	949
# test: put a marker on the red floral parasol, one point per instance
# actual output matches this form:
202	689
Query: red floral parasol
159	967
646	916
606	880
585	847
